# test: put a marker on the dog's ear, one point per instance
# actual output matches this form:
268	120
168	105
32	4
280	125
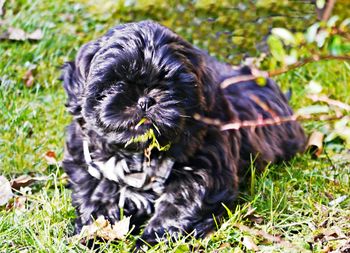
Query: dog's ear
196	62
74	75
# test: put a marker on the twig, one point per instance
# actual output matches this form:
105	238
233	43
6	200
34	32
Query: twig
266	236
237	124
263	74
328	10
314	58
237	79
275	119
341	105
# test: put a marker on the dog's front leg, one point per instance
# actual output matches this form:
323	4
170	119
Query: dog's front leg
183	208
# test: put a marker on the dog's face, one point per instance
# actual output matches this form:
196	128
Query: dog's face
136	78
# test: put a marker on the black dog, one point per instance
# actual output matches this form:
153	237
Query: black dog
134	144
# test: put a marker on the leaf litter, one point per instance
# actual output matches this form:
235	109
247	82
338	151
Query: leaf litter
315	144
25	180
5	191
18	34
103	229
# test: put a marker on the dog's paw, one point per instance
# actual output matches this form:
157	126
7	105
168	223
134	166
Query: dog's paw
141	246
150	238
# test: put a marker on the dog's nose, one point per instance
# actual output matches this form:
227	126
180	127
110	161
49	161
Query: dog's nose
145	103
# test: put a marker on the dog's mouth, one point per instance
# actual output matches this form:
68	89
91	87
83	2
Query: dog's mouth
143	123
147	136
144	126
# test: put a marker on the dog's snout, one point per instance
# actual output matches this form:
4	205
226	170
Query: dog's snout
145	103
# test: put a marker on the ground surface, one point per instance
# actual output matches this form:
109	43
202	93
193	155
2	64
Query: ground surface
287	209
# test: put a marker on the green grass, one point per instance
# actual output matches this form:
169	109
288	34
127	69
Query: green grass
291	200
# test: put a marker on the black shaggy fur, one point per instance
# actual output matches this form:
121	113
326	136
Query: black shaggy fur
145	71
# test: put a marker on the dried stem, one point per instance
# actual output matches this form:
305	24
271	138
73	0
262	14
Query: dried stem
265	235
264	74
328	10
275	119
314	58
329	101
237	124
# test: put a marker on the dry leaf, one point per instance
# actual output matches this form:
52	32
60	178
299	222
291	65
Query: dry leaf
265	235
103	229
50	157
5	191
311	226
249	243
225	245
326	249
329	195
21	181
330	234
18	34
255	218
315	144
25	180
28	78
19	203
36	35
345	248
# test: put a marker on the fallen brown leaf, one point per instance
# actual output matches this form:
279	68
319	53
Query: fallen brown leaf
255	218
103	229
311	226
19	203
249	243
225	245
266	236
25	180
329	195
345	248
28	78
315	144
36	35
5	191
21	181
252	217
330	234
50	157
17	34
326	249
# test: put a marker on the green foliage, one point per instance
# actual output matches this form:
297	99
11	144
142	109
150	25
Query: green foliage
149	136
320	40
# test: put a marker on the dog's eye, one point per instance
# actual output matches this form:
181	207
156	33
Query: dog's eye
119	84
